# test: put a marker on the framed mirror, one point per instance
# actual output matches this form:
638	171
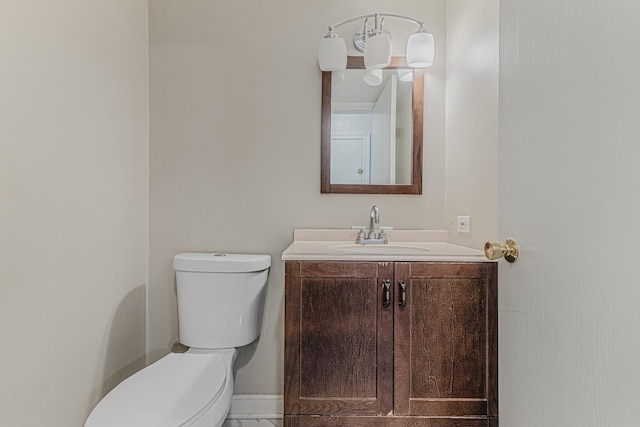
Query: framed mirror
372	129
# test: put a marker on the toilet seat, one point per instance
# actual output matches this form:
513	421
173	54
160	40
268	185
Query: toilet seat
173	392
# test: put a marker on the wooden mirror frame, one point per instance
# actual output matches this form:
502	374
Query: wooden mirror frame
357	62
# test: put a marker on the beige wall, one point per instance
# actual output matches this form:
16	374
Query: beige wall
73	204
472	120
235	147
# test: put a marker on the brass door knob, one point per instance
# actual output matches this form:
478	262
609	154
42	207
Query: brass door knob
510	250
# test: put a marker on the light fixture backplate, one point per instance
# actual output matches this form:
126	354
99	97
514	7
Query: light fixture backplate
360	39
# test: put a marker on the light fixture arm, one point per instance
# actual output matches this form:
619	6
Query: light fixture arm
376	16
360	38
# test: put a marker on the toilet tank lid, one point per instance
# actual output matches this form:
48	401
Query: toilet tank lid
220	262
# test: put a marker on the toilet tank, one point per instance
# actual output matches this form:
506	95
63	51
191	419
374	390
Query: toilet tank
220	298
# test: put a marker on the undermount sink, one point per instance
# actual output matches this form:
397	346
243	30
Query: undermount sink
381	249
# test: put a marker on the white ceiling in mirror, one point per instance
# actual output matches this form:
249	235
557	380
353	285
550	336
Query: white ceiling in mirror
353	87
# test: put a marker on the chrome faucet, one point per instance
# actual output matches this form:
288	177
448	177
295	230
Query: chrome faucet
374	218
371	237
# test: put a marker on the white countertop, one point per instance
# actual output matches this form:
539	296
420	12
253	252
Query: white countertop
404	245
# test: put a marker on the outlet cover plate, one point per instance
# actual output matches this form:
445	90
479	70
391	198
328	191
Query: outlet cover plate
464	224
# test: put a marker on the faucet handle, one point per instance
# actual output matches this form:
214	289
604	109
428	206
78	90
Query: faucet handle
357	227
360	229
383	234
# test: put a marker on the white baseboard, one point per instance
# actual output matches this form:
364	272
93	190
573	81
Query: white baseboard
256	407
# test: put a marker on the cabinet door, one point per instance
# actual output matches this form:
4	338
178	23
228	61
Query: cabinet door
446	340
338	338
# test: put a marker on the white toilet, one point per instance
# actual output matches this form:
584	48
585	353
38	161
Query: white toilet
220	306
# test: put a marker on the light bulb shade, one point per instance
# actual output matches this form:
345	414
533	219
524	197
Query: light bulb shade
337	77
377	51
405	74
420	50
373	77
332	54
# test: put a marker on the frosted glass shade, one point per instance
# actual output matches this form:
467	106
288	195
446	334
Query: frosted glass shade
332	54
420	50
377	51
405	74
337	77
373	77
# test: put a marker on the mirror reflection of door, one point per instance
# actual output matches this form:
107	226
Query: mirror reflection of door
383	111
350	159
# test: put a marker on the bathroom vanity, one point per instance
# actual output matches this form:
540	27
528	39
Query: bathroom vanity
394	335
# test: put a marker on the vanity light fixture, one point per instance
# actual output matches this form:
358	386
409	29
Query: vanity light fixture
420	49
376	44
373	77
332	53
337	77
405	75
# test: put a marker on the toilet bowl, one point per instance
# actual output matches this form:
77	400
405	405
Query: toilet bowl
220	300
179	390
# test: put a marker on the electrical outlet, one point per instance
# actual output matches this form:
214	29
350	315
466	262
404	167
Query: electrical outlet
464	224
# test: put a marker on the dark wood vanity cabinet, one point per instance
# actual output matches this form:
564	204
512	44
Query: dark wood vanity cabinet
390	344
